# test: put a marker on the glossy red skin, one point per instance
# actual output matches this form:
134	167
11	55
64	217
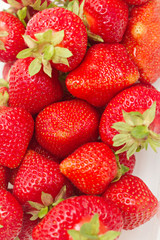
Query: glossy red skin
14	42
135	98
136	2
11	215
106	70
130	163
64	126
36	174
58	19
107	19
32	93
16	129
135	200
90	167
71	211
142	38
27	227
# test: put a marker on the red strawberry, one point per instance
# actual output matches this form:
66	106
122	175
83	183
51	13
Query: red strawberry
11	40
27	228
136	2
105	71
137	133
130	163
16	129
91	167
32	93
107	19
64	126
37	174
142	39
62	39
73	213
11	215
135	200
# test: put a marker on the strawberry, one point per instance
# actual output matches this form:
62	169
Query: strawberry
16	129
64	126
135	200
142	39
107	19
37	174
61	42
136	2
105	71
91	167
11	215
131	118
32	93
11	40
72	213
130	163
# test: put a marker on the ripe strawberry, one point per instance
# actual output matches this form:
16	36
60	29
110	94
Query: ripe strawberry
61	42
90	167
37	174
64	126
142	39
126	114
16	129
107	19
11	215
105	71
32	93
72	213
130	163
11	40
135	200
136	2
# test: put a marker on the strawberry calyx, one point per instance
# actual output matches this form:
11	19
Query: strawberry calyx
122	169
91	230
48	202
77	8
135	133
44	50
3	34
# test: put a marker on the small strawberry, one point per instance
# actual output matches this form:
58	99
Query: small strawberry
94	213
37	174
11	40
16	129
135	200
107	19
131	119
64	126
56	37
130	163
142	38
11	215
90	167
105	71
32	93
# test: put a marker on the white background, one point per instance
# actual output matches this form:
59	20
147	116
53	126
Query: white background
148	169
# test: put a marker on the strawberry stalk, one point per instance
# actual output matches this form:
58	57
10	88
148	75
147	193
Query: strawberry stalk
135	133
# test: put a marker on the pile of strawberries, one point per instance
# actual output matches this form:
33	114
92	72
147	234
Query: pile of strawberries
76	103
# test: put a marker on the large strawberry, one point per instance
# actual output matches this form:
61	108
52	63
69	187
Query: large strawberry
32	93
142	39
55	36
105	71
11	40
135	200
74	214
16	129
107	19
11	215
37	174
130	119
64	126
90	167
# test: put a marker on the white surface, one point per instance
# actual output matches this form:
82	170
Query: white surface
148	169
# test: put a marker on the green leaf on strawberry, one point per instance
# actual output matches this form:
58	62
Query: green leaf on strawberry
2	35
135	132
22	13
